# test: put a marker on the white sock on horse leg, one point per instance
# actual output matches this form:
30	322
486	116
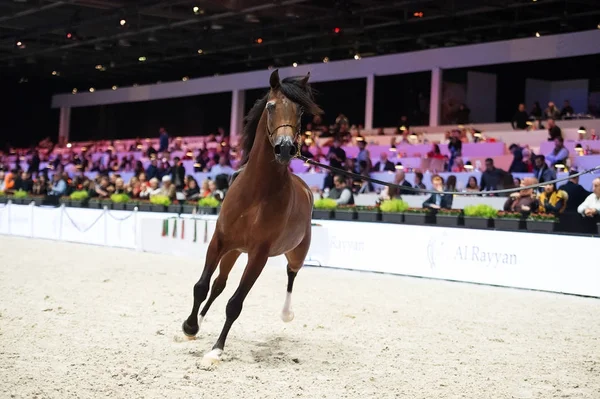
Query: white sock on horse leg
286	314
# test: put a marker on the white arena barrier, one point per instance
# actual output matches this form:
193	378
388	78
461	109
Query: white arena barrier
546	262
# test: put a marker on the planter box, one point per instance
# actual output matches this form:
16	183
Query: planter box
392	217
417	218
95	204
325	214
3	199
119	206
145	207
449	220
17	201
368	216
598	228
158	208
130	206
77	203
174	208
540	226
508	224
479	223
37	200
206	210
188	208
345	214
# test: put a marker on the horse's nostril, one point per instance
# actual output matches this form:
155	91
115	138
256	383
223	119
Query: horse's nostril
277	149
293	150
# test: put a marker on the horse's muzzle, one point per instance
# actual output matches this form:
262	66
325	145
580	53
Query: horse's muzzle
285	149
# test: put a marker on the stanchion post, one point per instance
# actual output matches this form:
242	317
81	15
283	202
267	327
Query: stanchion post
32	206
60	224
9	207
105	225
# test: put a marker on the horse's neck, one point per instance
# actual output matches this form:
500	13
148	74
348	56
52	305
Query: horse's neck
261	161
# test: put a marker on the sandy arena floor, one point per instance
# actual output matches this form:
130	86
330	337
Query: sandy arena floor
89	322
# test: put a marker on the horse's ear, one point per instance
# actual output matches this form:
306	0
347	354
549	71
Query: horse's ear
274	81
304	81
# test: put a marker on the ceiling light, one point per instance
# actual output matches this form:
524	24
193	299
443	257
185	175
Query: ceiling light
337	30
69	35
114	87
326	60
122	22
55	73
20	44
259	40
200	51
74	91
537	34
198	10
185	78
92	90
69	145
357	56
295	64
99	67
142	59
598	26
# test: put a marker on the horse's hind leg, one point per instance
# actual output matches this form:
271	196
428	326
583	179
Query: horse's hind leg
219	284
213	256
256	263
295	260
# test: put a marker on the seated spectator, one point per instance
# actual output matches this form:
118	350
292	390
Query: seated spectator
40	185
222	167
419	181
150	189
451	183
567	110
120	187
438	201
168	188
383	164
525	200
134	187
9	181
491	178
472	186
59	186
591	206
542	172
178	174
553	130
102	189
552	201
395	192
24	182
552	112
559	154
435	152
520	119
360	186
192	191
2	177
340	192
577	194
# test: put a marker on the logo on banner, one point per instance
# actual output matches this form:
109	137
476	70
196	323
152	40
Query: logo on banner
443	249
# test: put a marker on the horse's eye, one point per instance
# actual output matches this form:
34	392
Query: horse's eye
270	106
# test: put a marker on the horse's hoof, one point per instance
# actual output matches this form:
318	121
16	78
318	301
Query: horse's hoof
211	358
287	316
190	331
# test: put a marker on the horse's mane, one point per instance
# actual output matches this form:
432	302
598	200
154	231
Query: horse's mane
296	91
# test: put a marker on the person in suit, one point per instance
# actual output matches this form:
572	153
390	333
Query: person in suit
577	194
438	201
384	164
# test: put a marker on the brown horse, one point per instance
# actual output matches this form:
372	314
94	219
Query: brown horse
267	211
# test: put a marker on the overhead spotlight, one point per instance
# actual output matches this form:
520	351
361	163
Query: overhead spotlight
200	51
326	60
295	64
357	56
142	59
198	10
537	34
55	73
115	87
418	14
122	22
69	35
92	90
337	30
20	44
74	91
185	78
99	67
259	40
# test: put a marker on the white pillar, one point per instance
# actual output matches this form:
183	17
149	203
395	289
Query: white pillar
369	102
64	124
236	123
435	99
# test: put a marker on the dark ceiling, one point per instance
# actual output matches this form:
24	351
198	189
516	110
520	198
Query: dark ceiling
103	42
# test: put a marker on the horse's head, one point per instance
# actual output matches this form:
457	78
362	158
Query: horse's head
283	120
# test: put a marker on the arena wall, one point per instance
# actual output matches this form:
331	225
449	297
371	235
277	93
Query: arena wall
546	262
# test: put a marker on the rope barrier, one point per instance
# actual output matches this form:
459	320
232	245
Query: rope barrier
77	227
427	191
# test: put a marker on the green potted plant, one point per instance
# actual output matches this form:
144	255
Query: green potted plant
119	201
19	197
208	206
509	221
78	199
480	216
3	198
418	216
449	218
392	210
324	209
345	212
541	223
159	203
368	213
